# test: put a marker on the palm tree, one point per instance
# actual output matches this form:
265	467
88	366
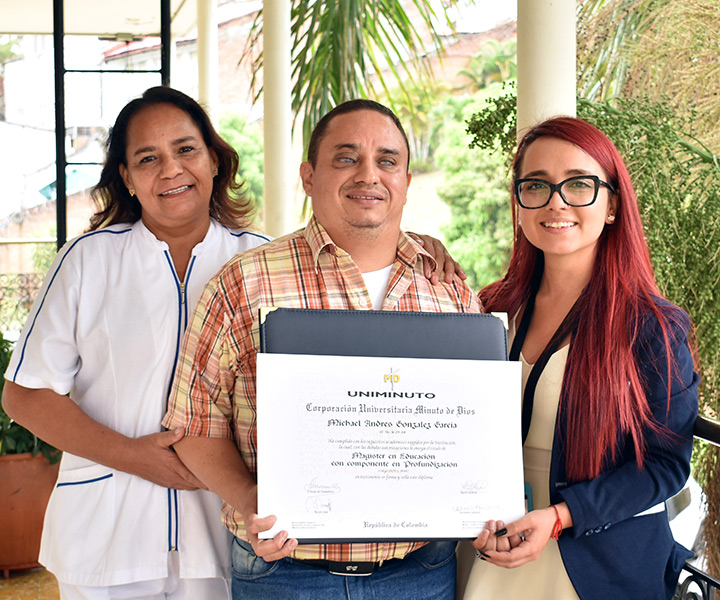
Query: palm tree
667	50
606	33
654	49
342	49
419	119
496	62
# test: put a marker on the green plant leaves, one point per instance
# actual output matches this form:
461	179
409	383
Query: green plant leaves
15	439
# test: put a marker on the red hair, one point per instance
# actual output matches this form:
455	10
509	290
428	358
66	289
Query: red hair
602	387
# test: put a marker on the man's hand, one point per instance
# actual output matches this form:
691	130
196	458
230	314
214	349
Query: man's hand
446	263
219	464
269	550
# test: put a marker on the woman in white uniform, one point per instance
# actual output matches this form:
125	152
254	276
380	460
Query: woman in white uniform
92	369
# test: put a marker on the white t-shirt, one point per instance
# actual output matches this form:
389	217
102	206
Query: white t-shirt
376	283
106	328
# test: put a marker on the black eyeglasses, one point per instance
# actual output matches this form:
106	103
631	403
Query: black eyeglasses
575	191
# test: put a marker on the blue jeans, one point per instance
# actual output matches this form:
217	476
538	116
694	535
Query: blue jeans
426	573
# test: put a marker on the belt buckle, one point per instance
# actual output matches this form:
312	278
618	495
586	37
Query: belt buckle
351	569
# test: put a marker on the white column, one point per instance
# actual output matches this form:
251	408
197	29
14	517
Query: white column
546	42
281	170
208	68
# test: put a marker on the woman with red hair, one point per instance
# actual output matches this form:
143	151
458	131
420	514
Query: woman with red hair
609	394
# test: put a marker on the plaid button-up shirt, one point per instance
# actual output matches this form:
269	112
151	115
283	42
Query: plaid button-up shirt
214	390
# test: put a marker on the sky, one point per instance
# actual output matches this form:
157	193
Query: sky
482	15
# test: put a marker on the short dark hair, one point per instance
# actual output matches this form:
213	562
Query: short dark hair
346	107
115	205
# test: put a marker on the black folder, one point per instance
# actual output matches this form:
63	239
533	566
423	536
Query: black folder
383	333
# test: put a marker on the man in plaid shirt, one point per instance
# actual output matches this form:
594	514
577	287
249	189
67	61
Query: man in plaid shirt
351	255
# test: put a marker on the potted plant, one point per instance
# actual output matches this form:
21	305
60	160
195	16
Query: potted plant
28	471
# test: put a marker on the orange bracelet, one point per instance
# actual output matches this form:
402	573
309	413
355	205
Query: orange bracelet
557	528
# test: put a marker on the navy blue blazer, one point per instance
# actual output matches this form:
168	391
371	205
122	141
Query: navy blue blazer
609	552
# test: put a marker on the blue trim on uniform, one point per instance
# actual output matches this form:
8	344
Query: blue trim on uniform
180	327
184	298
177	522
52	280
169	520
178	286
108	476
244	233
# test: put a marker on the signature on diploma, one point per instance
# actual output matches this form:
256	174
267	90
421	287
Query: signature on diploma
473	487
470	509
318	488
318	504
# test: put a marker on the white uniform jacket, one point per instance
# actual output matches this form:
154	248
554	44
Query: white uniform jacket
106	328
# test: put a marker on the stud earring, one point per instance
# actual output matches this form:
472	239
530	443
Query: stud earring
611	219
132	191
215	172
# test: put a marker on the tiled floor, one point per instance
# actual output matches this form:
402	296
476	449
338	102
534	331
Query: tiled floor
33	584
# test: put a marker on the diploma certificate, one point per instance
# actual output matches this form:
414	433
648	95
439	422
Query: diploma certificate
378	449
